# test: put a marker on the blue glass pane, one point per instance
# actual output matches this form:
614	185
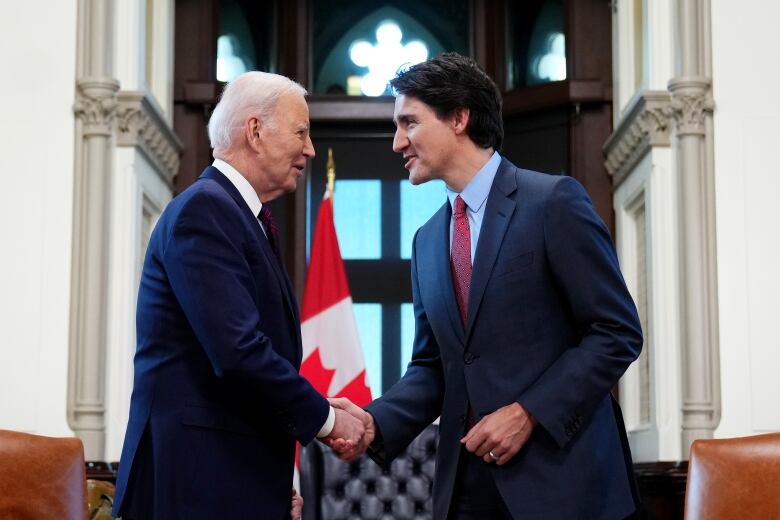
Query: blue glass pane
407	334
357	208
418	203
369	325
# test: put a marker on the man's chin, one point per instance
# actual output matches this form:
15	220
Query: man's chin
417	178
292	185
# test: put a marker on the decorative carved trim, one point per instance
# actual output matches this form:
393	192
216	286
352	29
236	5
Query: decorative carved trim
96	104
140	124
691	103
645	125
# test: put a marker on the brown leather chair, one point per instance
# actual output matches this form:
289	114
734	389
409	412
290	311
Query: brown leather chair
734	478
41	477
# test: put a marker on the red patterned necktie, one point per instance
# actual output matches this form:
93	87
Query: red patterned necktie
271	231
460	257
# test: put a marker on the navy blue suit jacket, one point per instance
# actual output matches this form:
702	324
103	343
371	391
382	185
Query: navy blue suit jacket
217	401
551	325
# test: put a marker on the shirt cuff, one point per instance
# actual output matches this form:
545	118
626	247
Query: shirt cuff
330	422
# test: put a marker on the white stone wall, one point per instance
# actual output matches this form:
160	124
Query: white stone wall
139	195
746	77
653	182
36	144
653	185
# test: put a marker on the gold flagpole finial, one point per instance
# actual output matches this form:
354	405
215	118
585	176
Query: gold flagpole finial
331	170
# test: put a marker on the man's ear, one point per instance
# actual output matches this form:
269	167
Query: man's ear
460	120
253	129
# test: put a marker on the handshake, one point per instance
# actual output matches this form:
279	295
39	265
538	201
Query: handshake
353	431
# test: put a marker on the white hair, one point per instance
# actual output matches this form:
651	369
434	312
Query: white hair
250	94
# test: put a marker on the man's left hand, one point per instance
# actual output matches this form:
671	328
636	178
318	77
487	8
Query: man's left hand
498	436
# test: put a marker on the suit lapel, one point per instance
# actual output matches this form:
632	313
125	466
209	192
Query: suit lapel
214	174
498	213
441	251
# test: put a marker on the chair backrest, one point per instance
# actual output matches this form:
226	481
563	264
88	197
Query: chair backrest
336	490
734	478
41	477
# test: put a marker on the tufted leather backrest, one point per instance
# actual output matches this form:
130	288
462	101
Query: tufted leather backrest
336	490
41	477
734	478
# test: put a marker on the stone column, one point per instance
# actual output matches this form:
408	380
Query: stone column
95	108
692	107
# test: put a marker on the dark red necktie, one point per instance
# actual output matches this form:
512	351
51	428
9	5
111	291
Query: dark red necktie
460	257
271	231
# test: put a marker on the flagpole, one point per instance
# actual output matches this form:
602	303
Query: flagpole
331	171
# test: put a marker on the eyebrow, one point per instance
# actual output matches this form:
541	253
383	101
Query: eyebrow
402	118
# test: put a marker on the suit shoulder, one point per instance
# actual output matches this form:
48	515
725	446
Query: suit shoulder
205	202
432	223
538	180
545	185
204	195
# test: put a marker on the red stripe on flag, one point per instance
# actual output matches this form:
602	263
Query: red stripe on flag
326	281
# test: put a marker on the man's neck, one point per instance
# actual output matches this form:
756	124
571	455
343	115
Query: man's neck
241	165
466	165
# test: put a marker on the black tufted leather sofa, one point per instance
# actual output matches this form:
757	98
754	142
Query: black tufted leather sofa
336	490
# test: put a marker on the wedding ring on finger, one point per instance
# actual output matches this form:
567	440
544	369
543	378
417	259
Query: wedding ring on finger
493	455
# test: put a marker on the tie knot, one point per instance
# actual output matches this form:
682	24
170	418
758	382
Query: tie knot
266	217
271	231
460	206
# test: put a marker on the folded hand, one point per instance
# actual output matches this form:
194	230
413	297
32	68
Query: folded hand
498	436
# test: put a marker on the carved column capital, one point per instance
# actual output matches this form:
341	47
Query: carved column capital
691	103
646	124
96	104
140	124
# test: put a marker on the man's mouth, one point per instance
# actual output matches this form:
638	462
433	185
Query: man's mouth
409	160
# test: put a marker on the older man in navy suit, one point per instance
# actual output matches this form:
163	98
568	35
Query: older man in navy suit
523	321
218	403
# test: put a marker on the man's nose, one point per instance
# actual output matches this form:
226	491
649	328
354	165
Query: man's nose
400	141
308	149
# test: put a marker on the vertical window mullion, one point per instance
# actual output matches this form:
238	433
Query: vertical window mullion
391	345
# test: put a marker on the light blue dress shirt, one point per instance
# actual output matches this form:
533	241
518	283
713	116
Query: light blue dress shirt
475	196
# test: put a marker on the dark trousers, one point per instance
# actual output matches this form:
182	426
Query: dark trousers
476	496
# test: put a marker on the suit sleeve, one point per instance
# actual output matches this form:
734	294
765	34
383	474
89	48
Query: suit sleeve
207	269
416	400
584	264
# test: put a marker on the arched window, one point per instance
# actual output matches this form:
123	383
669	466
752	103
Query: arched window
360	48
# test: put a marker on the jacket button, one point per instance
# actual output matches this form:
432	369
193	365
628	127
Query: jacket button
468	358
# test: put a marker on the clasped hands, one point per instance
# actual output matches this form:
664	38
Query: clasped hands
496	438
359	425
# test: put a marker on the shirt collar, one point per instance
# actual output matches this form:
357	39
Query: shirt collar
246	190
476	191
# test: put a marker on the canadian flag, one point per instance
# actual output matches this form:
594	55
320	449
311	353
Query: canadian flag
332	359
